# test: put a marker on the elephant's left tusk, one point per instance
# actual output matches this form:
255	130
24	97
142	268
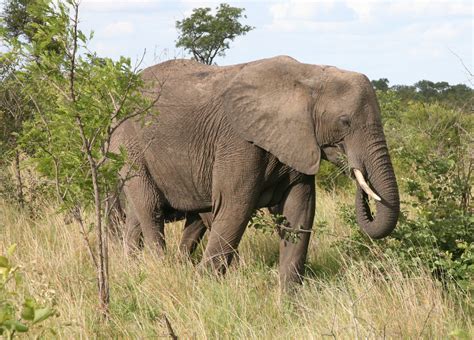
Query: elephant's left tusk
363	184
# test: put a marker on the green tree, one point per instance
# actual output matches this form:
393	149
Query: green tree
79	101
207	36
14	110
381	84
21	20
16	18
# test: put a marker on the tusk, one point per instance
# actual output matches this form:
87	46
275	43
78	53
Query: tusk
363	184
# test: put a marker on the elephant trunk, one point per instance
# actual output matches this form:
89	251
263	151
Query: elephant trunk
381	177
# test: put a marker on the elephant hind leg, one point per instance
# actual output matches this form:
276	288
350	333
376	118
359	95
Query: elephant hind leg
194	230
132	238
145	203
298	209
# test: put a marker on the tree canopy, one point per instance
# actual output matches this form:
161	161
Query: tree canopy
206	35
428	91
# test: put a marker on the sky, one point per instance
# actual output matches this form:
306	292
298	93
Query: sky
402	40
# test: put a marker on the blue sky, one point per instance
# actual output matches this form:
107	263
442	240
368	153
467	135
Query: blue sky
404	41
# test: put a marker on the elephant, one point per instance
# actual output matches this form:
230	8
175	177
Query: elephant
232	139
195	225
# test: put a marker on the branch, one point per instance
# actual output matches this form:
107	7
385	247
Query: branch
74	50
172	334
77	215
464	65
117	107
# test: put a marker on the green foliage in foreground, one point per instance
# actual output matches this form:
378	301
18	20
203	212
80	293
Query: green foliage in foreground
75	101
18	314
78	102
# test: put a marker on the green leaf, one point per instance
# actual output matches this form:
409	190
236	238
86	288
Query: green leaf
11	249
16	326
4	263
460	334
28	313
113	156
42	314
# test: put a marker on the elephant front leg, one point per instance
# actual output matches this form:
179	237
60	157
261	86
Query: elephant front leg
298	208
227	229
235	191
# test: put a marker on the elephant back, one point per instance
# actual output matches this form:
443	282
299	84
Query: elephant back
183	82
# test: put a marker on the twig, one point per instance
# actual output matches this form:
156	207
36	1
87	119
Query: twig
426	320
77	215
464	65
171	332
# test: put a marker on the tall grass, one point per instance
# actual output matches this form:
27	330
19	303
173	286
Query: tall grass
340	298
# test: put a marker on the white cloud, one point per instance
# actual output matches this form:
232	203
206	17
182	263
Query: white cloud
306	26
118	28
297	10
430	7
116	5
128	2
443	32
440	32
295	15
363	9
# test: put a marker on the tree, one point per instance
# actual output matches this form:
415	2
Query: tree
381	84
16	18
21	20
15	108
207	36
78	101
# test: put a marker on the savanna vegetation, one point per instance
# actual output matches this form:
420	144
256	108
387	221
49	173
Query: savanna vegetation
63	270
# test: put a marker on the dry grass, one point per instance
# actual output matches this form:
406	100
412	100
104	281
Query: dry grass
340	297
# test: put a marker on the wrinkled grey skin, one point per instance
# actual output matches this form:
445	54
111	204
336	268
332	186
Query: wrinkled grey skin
196	225
229	140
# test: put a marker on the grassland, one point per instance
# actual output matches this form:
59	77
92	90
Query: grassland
340	298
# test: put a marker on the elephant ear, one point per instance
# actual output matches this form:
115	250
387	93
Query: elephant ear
268	105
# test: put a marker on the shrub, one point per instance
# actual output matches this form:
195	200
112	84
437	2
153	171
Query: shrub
18	314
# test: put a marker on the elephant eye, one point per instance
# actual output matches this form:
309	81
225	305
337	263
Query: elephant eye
345	121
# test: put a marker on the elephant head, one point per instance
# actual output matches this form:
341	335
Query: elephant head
296	111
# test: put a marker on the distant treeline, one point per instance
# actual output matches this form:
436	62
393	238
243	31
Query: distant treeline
428	91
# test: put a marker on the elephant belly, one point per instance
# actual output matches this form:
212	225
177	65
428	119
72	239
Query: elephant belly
278	179
177	180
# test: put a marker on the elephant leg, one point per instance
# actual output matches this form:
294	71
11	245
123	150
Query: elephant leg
227	229
298	208
234	198
206	218
194	230
144	197
133	233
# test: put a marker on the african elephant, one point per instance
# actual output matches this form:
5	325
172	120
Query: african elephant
195	225
229	140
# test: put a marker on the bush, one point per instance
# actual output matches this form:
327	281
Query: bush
18	314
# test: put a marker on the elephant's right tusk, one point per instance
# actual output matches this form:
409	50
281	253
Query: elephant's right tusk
363	184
